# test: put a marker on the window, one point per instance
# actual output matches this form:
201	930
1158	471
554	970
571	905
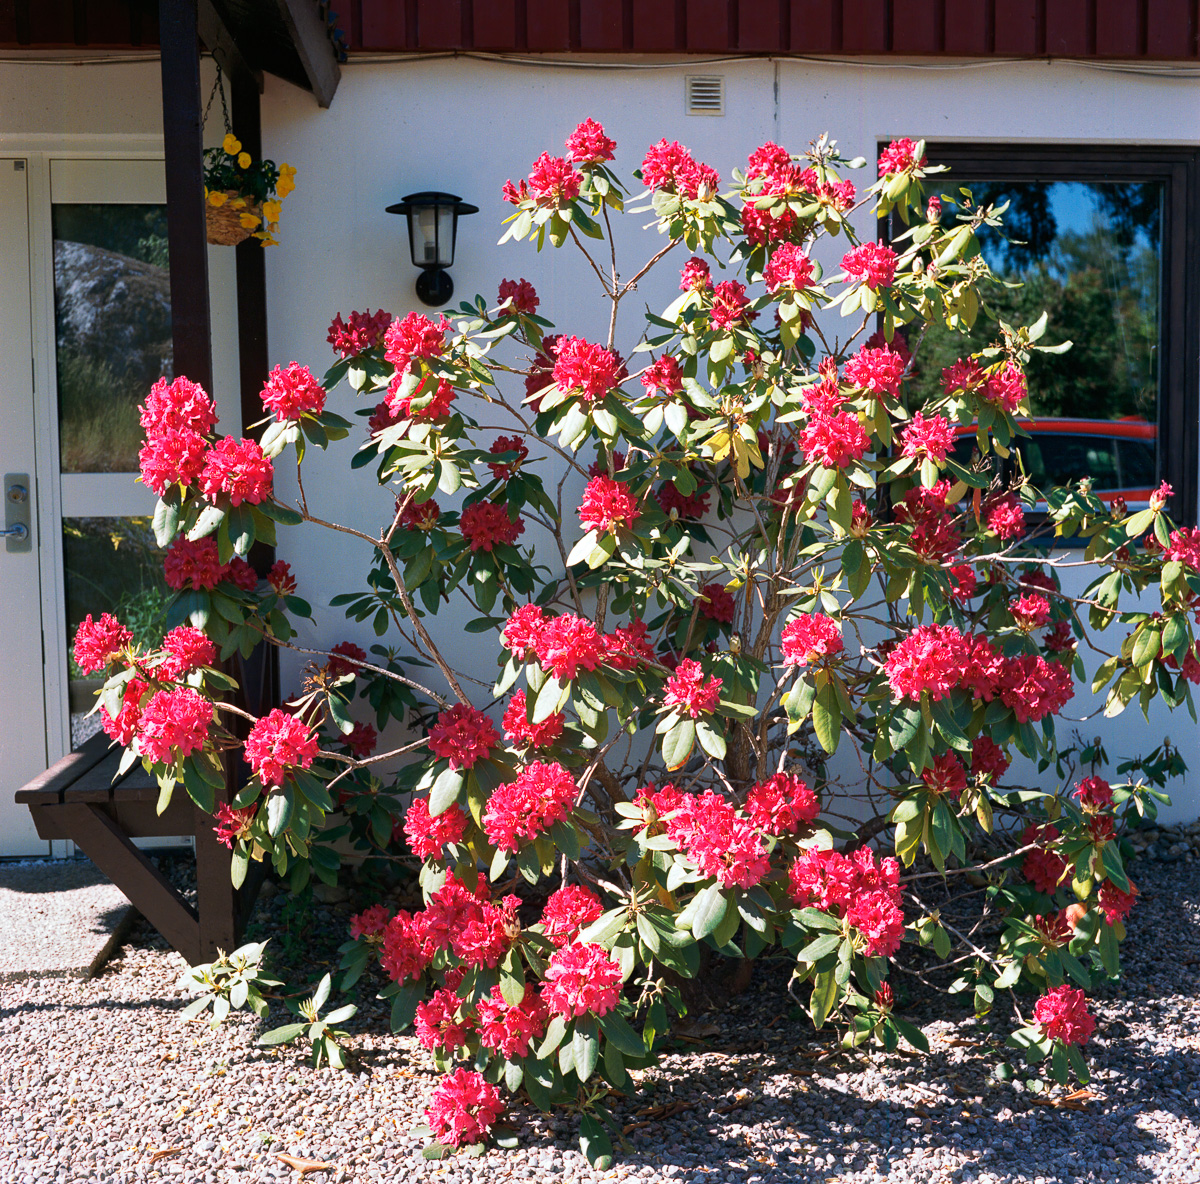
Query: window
1107	241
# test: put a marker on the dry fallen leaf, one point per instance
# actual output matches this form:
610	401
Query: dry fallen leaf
164	1152
1072	1101
304	1166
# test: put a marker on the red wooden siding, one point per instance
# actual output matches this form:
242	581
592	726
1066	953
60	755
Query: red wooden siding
1130	29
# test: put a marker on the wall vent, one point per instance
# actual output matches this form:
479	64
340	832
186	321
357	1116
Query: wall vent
704	94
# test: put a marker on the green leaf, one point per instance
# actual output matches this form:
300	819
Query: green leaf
284	1035
824	996
711	740
404	1005
585	1051
827	717
445	792
819	947
912	1034
279	812
677	744
618	1033
166	519
595	1143
708	910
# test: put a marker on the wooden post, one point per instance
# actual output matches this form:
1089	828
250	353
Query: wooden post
191	334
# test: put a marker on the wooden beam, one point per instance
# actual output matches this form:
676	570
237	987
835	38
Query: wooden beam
187	246
307	31
220	42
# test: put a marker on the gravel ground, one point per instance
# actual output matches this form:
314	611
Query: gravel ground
100	1082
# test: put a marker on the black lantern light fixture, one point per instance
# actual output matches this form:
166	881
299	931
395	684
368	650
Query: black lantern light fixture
432	229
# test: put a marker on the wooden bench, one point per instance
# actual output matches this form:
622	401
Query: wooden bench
83	799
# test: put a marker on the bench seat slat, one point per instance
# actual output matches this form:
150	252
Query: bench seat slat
48	786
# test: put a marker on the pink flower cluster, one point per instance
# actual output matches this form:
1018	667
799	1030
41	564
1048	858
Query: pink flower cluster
1094	793
510	1030
670	167
428	836
853	886
567	911
185	649
566	643
899	156
771	172
233	826
831	436
553	182
872	264
588	144
1184	546
715	838
687	507
238	468
927	438
521	733
462	735
589	370
1043	867
364	331
689	693
278	742
663	376
176	417
811	639
730	308
414	336
782	804
582	979
935	537
946	777
1006	388
878	370
371	922
437	1024
174	724
517	296
716	603
292	391
197	565
504	470
1062	1014
97	643
464	1107
1005	516
988	760
963	375
789	267
487	525
696	276
123	728
542	794
607	505
1115	903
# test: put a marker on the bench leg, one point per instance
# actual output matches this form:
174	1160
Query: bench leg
219	911
109	848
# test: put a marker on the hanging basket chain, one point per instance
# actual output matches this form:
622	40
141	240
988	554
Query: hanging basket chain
218	85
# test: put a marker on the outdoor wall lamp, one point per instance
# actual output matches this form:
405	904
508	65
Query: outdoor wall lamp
432	229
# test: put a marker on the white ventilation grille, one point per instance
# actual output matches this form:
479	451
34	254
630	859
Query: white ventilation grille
704	94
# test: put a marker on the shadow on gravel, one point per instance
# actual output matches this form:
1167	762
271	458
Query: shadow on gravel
95	1005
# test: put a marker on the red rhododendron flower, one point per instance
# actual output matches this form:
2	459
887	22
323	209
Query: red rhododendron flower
186	649
589	370
192	564
567	911
563	644
405	953
540	373
781	804
517	296
689	693
503	470
876	370
384	417
878	917
1006	516
1184	546
717	841
521	631
362	740
687	507
871	263
1094	793
437	1024
337	666
730	308
420	516
899	156
1062	1014
964	375
281	579
98	643
931	438
582	979
811	638
414	336
233	825
276	743
428	402
1034	688
988	759
522	734
292	391
833	441
1060	639
238	468
928	661
124	727
462	736
1006	388
963	581
464	1107
695	276
628	646
239	573
670	167
1115	903
552	181
487	525
946	775
588	144
607	505
789	267
855	886
364	331
174	724
177	406
370	923
664	376
428	837
541	795
169	458
716	603
1030	612
510	1030
1043	868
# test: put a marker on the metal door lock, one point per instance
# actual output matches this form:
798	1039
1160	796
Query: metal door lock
18	522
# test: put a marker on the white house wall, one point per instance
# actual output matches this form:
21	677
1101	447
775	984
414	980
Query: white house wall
466	126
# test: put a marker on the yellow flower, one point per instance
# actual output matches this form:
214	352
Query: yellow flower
238	203
244	160
231	144
271	211
216	198
283	188
250	221
287	170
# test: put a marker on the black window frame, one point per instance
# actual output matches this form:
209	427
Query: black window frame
1178	168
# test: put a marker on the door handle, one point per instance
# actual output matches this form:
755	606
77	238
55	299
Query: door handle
17	520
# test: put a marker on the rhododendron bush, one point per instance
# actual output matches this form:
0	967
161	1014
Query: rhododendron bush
765	650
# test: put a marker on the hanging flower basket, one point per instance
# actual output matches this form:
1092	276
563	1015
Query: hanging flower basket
232	218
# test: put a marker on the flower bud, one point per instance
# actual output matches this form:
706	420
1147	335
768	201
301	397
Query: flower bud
1160	497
